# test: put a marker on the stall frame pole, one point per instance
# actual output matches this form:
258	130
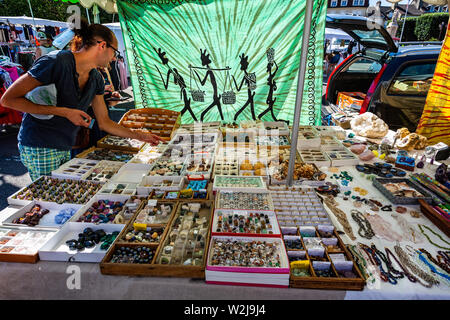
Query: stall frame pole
300	88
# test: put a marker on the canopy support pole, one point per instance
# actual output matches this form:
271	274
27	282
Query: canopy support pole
300	88
87	13
32	15
404	22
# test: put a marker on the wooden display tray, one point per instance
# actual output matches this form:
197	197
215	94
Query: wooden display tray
93	148
144	204
102	144
154	269
434	217
336	283
20	257
155	120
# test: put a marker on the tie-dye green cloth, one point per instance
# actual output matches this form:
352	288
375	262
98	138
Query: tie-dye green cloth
228	60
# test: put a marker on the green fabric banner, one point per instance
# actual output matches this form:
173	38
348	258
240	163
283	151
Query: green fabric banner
228	60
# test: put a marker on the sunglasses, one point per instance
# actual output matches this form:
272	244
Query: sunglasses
116	52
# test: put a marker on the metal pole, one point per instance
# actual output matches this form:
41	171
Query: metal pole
300	87
32	15
404	22
87	13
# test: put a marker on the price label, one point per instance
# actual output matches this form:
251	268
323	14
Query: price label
300	264
140	226
152	203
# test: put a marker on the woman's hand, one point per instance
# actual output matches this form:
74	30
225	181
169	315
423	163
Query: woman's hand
77	117
148	137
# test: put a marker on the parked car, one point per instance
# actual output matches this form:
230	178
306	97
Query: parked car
394	78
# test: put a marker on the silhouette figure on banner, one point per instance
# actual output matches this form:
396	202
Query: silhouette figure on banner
178	80
271	83
250	80
206	61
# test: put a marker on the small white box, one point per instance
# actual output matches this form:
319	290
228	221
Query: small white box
56	248
48	220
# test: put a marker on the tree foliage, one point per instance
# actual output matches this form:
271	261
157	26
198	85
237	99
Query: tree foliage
47	9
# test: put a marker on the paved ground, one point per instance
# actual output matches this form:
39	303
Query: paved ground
13	175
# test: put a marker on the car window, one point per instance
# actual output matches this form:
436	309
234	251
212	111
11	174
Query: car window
413	80
364	65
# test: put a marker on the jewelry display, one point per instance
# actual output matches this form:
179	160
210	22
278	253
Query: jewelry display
365	228
58	190
340	215
421	227
418	271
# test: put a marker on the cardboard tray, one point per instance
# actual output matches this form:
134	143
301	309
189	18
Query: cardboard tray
57	250
272	217
284	268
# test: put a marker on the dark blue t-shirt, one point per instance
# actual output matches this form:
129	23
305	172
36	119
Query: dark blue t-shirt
58	68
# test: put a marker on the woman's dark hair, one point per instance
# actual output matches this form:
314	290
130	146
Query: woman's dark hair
88	35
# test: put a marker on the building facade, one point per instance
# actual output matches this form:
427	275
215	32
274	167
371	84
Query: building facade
348	7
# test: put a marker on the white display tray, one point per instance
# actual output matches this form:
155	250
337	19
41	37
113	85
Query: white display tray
216	187
77	174
131	173
21	203
97	197
198	138
220	205
198	157
345	157
56	248
48	220
318	157
330	143
177	184
246	213
102	164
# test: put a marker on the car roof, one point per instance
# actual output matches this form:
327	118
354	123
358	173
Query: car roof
418	49
408	50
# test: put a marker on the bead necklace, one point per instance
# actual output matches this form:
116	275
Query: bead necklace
383	274
365	229
415	269
431	267
371	265
359	259
340	215
430	257
409	275
421	226
392	273
444	256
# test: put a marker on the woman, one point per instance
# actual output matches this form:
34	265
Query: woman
45	144
46	44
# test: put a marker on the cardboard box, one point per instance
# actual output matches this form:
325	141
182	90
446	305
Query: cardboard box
346	99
